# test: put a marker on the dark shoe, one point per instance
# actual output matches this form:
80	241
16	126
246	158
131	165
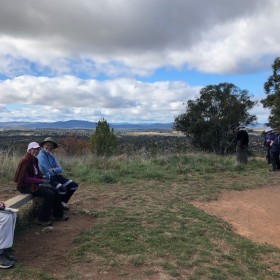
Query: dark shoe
8	254
4	262
61	189
272	170
65	206
63	218
44	224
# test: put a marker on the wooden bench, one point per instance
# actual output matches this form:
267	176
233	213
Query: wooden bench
18	201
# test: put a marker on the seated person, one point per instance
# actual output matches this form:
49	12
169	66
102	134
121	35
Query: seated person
7	228
29	180
52	170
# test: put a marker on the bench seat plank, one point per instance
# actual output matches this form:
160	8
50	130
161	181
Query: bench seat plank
18	201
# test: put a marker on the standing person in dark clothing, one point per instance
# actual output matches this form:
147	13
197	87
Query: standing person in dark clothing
29	180
274	151
242	140
267	140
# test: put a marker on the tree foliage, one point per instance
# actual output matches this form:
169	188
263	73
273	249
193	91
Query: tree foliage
211	119
272	89
103	141
72	145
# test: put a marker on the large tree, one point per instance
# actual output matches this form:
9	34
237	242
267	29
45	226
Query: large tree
272	89
211	119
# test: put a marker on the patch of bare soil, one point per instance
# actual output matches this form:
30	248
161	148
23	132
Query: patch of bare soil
252	213
46	248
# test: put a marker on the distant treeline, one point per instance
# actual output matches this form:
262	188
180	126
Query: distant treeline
77	142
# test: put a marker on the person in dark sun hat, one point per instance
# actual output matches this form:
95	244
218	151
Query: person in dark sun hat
52	170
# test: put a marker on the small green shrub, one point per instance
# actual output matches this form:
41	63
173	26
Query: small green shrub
103	141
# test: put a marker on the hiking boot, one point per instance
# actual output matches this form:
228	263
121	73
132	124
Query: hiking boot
44	224
63	218
4	262
8	254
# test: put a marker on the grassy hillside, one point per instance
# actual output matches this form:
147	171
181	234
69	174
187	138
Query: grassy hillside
145	220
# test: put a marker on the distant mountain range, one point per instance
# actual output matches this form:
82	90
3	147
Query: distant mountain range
78	124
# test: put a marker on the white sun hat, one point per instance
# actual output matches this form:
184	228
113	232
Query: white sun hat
267	129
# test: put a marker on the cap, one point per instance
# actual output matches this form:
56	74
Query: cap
33	145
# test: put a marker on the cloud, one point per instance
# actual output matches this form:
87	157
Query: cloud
50	99
3	109
125	37
261	113
86	59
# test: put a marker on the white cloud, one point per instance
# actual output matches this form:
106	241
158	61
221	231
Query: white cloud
261	113
50	99
47	46
243	45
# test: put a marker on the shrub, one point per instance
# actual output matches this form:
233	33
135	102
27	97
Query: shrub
103	141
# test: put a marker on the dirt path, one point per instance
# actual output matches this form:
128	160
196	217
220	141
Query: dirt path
254	214
46	248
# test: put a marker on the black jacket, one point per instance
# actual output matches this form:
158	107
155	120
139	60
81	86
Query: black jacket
242	138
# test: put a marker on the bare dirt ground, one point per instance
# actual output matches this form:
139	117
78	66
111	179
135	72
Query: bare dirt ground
252	213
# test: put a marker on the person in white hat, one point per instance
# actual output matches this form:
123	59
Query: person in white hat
29	180
274	150
269	136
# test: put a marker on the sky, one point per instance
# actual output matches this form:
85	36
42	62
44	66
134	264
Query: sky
136	61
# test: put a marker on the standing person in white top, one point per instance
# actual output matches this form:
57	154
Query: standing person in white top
7	228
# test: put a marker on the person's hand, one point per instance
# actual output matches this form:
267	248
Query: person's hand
46	185
2	205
